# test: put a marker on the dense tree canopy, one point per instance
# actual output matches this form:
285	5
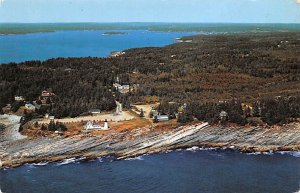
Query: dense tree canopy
253	68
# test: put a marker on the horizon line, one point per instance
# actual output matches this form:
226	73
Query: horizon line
167	22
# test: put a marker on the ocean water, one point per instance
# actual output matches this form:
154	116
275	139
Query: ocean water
199	171
42	46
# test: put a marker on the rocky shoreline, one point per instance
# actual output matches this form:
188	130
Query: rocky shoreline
16	151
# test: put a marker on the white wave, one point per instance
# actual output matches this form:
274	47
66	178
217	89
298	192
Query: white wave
4	169
254	153
168	151
134	158
210	148
196	148
66	161
193	149
232	147
295	153
70	160
292	153
268	153
40	164
261	153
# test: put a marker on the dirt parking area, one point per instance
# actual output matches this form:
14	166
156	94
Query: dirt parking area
125	116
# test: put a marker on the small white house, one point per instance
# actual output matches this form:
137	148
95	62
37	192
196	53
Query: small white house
161	118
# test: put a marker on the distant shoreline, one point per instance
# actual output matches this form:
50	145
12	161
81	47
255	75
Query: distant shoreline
26	28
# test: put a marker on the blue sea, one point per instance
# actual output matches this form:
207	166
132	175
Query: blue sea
42	46
184	171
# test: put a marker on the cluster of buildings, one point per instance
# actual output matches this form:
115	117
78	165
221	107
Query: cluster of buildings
158	117
123	89
29	106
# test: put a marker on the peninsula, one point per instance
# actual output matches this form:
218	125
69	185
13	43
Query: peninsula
236	91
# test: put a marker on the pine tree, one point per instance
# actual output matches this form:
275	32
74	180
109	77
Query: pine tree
142	113
51	126
256	111
44	128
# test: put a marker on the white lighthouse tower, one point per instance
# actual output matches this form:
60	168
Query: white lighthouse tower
105	127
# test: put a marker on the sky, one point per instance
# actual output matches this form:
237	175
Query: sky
198	11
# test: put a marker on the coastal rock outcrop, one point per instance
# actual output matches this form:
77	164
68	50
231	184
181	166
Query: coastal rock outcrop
18	151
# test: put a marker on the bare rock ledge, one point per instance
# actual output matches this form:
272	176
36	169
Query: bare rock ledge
17	152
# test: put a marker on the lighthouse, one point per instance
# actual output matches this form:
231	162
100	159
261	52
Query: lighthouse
105	127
